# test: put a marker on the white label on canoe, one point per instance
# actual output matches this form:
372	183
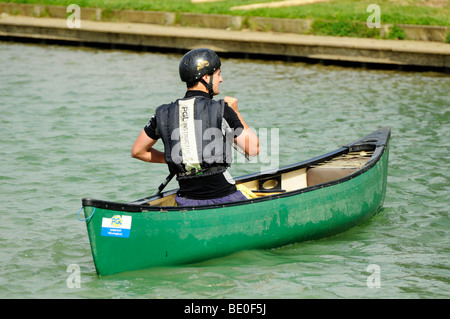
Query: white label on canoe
116	226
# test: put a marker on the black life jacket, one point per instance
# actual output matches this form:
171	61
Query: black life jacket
194	143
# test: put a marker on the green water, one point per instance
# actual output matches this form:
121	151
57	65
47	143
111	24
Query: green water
69	117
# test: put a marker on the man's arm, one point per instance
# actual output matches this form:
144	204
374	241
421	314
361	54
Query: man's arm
247	140
143	149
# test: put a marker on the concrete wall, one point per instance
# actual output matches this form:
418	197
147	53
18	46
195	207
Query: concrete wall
230	22
431	55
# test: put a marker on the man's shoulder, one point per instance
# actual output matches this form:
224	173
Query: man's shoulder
166	106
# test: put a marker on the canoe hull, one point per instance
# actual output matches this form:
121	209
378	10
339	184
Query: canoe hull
172	237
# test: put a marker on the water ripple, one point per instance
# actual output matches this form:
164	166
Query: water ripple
70	116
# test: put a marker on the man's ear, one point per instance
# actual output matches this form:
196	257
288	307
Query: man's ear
206	78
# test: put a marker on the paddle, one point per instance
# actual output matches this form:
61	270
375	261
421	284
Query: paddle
164	184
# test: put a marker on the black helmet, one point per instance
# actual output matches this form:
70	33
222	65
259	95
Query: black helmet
197	63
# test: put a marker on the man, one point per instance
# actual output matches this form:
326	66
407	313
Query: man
196	133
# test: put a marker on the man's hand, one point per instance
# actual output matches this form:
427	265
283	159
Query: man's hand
247	140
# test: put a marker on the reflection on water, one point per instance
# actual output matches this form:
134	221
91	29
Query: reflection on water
70	116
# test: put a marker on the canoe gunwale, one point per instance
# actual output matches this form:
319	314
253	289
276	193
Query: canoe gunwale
376	142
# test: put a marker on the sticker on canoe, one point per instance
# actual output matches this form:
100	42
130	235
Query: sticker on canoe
116	226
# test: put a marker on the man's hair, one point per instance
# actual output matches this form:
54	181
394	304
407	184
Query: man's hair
191	84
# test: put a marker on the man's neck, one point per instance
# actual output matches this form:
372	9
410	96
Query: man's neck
191	93
198	87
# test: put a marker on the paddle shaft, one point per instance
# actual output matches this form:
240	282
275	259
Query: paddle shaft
164	184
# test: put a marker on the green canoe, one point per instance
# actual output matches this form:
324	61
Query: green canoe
308	200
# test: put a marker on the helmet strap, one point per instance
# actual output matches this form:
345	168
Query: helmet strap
209	86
